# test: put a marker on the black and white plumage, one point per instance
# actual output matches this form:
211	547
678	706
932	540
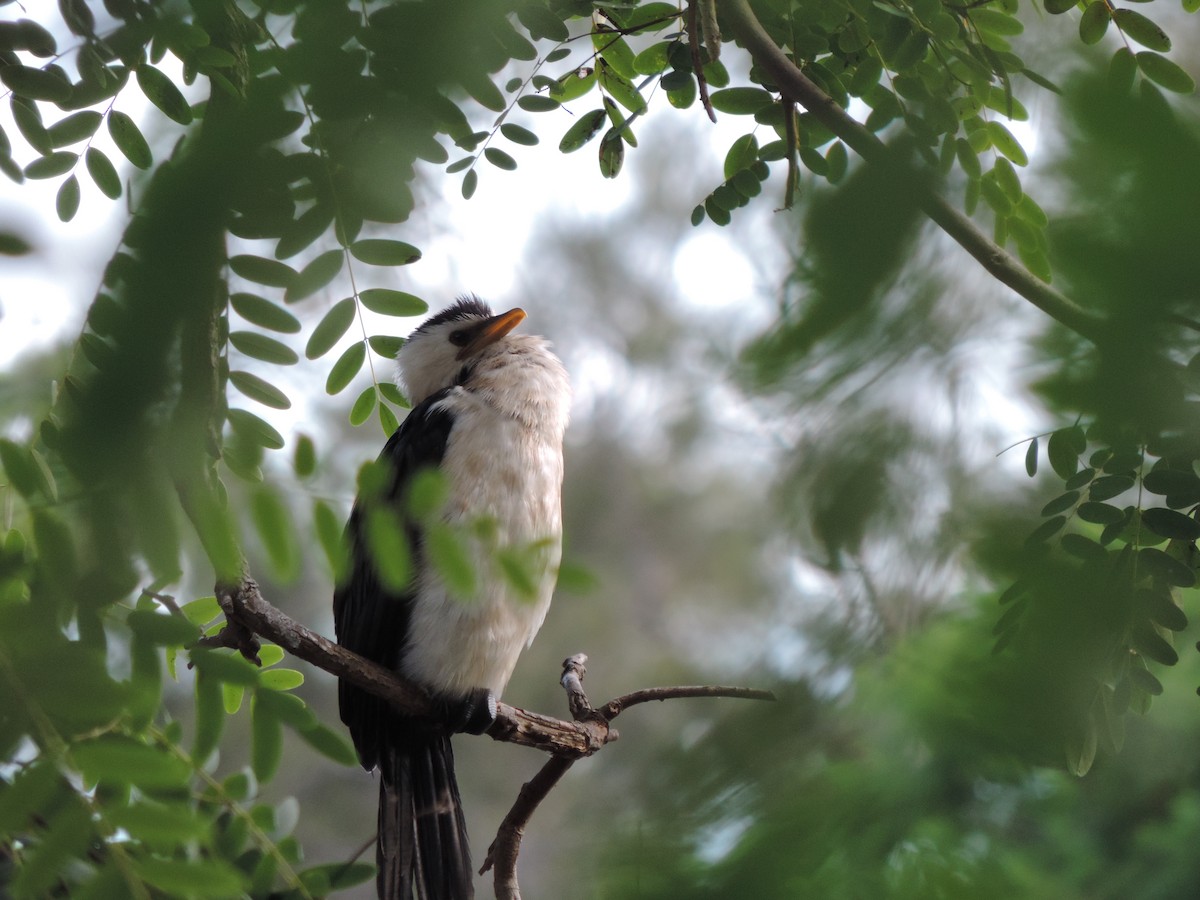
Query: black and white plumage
489	411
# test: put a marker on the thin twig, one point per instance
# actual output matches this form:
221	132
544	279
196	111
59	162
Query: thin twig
502	854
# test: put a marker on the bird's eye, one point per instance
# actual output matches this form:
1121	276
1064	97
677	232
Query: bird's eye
459	338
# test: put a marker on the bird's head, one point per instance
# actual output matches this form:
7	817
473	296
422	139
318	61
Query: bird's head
446	346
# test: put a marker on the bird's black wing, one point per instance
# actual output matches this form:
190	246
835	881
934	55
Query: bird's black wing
369	618
422	832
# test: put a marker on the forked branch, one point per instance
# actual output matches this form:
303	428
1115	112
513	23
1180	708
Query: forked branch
249	616
502	855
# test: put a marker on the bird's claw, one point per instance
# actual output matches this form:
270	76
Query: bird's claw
474	714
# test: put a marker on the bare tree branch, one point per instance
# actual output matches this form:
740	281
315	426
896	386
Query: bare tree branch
795	85
502	854
250	615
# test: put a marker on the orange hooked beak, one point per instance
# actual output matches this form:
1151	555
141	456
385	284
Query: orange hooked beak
491	330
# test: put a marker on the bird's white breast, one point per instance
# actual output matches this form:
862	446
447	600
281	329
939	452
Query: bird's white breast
504	474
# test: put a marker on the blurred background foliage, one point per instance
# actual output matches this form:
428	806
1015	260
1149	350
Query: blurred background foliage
805	491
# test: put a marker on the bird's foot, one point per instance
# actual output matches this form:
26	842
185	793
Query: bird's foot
473	714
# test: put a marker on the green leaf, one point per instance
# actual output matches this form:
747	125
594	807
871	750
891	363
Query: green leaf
1061	503
333	325
287	708
322	880
1121	70
996	22
379	252
202	610
388	302
1031	458
1082	547
314	276
1081	748
1094	22
1100	513
262	312
65	836
573	85
260	270
469	183
346	367
363	406
519	135
499	159
742	154
52	164
330	535
162	629
304	456
74	128
259	346
386	345
26	34
614	50
428	494
1153	646
254	429
35	84
162	92
190	877
1141	29
129	140
281	679
1064	458
270	654
652	60
1169	523
309	226
584	129
117	758
66	201
387	548
538	103
1163	72
1165	482
1057	7
541	22
1155	562
741	101
226	667
29	122
29	790
160	825
330	744
1109	486
20	468
1046	530
273	523
612	154
1006	144
103	173
210	714
444	548
387	419
620	88
836	160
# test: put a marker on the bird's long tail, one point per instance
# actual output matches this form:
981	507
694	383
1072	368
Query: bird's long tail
422	848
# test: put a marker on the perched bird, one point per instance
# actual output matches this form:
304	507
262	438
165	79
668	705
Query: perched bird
489	409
